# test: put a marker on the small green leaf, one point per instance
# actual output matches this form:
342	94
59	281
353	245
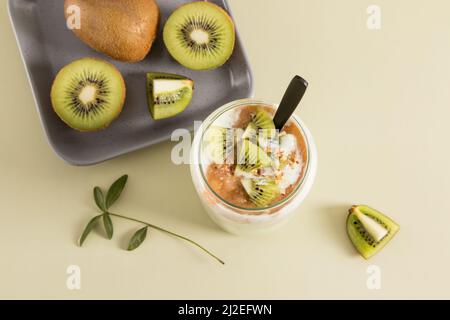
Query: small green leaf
107	223
88	229
99	199
137	239
115	190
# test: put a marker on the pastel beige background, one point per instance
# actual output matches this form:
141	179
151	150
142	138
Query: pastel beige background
378	106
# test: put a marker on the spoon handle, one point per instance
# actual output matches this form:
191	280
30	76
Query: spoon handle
290	101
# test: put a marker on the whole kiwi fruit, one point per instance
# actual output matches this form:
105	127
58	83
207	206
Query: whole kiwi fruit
123	30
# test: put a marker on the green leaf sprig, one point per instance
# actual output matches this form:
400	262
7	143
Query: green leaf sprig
104	204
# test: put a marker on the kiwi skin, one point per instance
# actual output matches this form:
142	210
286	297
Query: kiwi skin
109	26
61	73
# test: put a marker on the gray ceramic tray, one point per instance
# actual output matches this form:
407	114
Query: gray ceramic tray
47	45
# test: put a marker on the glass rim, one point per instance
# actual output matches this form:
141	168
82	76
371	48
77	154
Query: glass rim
234	104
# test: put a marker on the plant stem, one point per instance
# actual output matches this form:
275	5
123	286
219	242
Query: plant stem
169	232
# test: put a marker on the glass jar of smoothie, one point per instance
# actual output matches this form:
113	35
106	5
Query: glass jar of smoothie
251	181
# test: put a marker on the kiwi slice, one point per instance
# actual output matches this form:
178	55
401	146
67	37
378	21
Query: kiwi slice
369	230
251	132
220	142
168	94
261	191
263	120
252	157
88	94
200	35
267	134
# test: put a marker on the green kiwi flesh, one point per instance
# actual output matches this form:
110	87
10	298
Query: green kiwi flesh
251	157
168	94
250	132
88	94
200	35
221	142
369	230
261	191
263	120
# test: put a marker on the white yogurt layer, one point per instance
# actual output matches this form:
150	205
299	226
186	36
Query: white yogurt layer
291	173
227	119
288	143
293	170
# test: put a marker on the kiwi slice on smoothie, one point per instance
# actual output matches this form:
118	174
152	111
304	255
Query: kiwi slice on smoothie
200	35
168	94
263	120
251	132
267	134
261	192
252	157
220	143
369	230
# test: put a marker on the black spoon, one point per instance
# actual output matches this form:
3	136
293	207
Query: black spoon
294	93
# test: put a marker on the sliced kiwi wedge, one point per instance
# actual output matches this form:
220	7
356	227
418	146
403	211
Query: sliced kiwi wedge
261	192
267	134
200	35
252	157
220	142
88	94
369	230
251	132
263	120
168	94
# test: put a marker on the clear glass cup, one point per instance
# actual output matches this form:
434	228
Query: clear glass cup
239	220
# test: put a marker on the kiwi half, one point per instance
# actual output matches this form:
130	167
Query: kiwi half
168	94
369	230
200	35
88	94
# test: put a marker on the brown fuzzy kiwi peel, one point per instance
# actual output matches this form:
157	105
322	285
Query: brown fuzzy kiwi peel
123	32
